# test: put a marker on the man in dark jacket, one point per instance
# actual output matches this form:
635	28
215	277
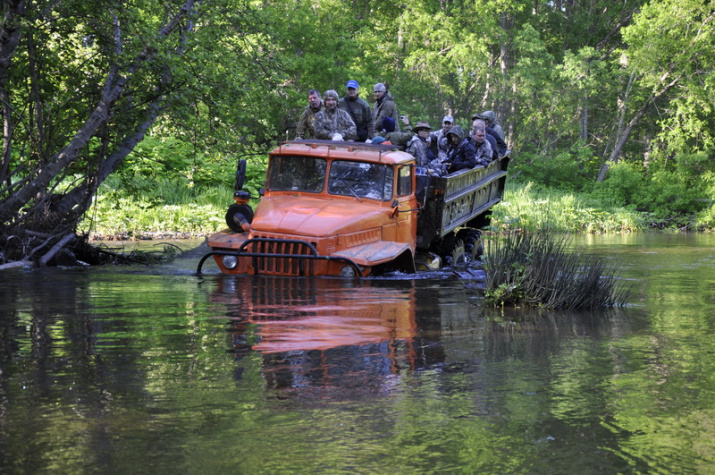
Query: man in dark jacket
462	154
359	110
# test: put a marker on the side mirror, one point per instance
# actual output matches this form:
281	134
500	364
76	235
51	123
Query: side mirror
240	174
261	191
395	204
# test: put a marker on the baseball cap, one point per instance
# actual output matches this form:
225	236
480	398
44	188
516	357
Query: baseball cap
353	83
448	118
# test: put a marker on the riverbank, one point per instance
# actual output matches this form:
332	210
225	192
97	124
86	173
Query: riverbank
524	206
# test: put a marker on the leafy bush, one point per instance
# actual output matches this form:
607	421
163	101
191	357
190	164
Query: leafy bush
569	170
622	185
670	192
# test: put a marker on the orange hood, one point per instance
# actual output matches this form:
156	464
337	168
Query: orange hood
317	217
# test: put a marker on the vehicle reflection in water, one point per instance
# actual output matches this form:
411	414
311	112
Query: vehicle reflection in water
325	333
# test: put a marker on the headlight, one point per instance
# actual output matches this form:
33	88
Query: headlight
347	271
230	262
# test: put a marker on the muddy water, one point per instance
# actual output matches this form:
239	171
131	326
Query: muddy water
154	370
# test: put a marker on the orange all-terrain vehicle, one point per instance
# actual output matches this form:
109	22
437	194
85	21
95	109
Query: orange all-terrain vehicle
353	209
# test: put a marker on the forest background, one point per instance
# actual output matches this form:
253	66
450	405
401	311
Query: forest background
121	118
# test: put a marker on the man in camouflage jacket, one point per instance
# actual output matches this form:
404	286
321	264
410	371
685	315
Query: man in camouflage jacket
333	123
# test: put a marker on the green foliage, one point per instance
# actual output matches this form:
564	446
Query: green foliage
670	44
167	199
670	194
536	270
114	215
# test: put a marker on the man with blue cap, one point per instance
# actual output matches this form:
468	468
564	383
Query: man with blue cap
359	110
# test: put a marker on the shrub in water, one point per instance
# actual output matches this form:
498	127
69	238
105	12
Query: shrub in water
536	270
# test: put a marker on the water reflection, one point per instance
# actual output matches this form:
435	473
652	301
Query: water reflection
321	337
324	334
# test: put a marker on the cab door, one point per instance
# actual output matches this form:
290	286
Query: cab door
406	210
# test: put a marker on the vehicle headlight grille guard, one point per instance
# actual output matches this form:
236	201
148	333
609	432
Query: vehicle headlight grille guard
275	249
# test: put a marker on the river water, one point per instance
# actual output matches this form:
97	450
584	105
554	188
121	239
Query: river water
155	370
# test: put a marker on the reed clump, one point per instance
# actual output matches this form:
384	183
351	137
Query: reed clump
534	269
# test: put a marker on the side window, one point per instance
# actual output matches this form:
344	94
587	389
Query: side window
404	181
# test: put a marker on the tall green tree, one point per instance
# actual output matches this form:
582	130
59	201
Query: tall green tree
81	84
670	56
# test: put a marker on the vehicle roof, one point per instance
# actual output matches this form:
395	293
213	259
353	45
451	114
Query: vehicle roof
378	153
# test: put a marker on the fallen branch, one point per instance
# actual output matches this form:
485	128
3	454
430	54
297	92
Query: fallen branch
56	248
46	242
15	264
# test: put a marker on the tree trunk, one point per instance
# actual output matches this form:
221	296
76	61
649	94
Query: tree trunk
622	135
9	39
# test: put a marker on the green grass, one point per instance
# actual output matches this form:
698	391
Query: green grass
527	207
169	211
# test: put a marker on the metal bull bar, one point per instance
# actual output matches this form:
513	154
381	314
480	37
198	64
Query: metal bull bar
313	256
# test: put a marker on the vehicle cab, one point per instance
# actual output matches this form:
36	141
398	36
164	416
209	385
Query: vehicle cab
329	208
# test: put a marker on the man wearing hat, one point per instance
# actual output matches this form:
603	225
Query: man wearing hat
418	146
438	140
359	110
333	123
491	119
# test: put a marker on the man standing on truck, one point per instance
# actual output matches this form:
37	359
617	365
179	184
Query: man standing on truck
384	106
305	128
359	110
333	123
438	140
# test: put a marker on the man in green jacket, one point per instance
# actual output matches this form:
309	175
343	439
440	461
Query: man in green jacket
384	106
359	110
305	128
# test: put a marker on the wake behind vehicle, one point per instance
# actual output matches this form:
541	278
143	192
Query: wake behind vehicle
352	209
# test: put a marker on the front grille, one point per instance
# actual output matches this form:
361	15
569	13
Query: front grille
280	264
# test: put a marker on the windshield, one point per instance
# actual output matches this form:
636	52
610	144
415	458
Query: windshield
362	180
297	173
